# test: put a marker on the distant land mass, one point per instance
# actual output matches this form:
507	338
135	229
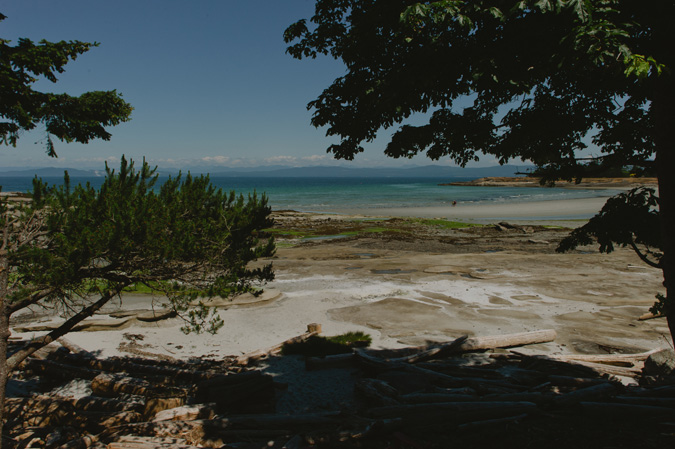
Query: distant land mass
50	172
427	171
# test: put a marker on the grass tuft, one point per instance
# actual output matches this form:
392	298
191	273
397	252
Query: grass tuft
317	346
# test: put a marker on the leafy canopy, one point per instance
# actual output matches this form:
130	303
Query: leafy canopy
539	77
69	118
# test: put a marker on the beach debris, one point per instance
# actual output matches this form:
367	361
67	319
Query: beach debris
312	329
413	394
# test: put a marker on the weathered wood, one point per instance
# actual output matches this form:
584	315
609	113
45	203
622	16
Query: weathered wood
122	418
74	349
465	344
437	352
330	362
462	370
246	392
46	352
376	392
454	412
638	400
38	411
433	398
602	368
109	385
187	412
97	404
118	365
56	370
312	330
537	398
606	358
577	382
491	423
84	442
628	410
199	428
134	442
156	405
599	391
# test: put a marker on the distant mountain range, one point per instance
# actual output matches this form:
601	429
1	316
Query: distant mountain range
427	171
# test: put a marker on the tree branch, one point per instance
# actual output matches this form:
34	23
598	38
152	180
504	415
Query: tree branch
643	257
33	299
39	342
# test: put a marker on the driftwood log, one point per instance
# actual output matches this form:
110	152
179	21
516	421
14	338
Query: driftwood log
312	329
466	344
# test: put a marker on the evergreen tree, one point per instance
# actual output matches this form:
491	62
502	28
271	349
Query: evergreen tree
74	249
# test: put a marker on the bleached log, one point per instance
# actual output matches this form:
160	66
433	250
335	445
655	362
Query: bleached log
576	382
637	400
134	442
491	423
246	392
122	418
83	442
454	412
312	330
603	368
465	344
526	396
46	351
330	362
97	404
57	370
109	385
433	398
376	364
74	349
121	365
376	392
187	412
599	391
199	428
628	410
606	358
38	411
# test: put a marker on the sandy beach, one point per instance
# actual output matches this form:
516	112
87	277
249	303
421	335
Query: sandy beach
535	211
406	282
419	284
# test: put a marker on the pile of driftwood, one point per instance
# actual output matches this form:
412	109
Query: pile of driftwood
460	386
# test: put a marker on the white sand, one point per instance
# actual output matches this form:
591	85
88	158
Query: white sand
571	209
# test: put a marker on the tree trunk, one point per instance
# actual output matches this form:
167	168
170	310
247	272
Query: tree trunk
39	342
664	138
4	321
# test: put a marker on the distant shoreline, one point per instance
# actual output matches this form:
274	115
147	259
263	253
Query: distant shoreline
586	183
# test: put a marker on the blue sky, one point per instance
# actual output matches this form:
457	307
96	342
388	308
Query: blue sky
209	80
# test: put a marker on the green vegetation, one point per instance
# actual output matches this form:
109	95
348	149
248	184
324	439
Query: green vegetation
75	248
317	346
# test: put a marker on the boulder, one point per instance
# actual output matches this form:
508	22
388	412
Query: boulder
661	363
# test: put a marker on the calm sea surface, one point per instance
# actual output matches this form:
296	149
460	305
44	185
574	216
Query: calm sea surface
335	194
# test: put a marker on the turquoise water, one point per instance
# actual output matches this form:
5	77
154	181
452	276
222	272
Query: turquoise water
334	194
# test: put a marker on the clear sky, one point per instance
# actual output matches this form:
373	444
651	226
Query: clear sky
209	80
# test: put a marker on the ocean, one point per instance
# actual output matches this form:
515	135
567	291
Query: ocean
337	194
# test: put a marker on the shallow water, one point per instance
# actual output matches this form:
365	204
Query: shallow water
334	194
